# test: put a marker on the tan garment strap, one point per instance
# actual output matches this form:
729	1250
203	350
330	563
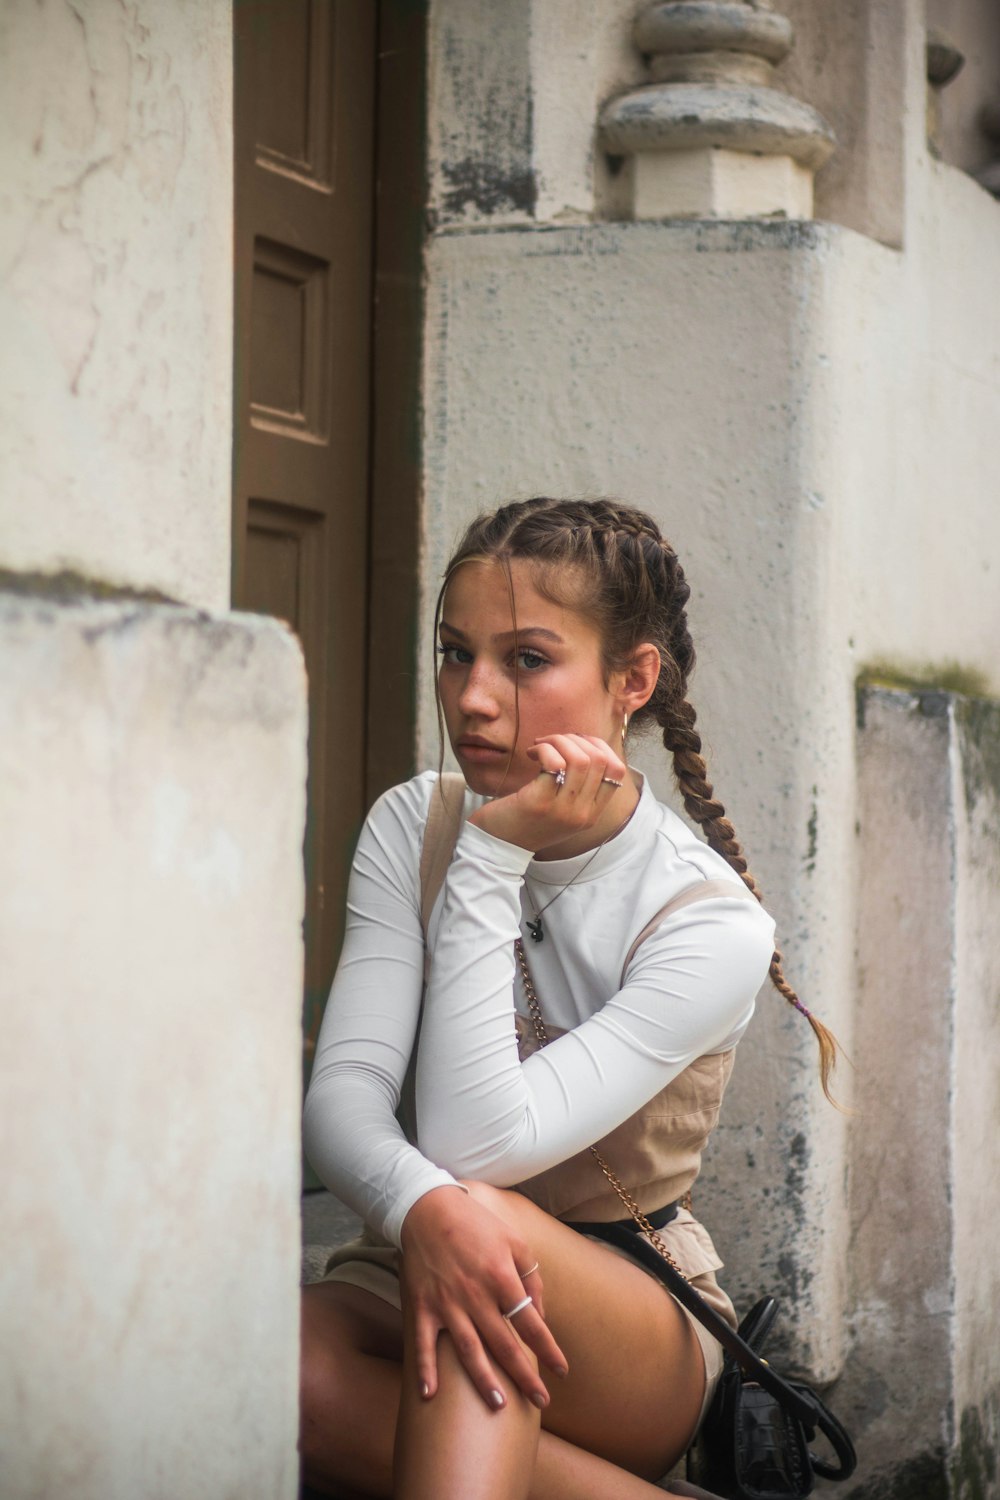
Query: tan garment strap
444	820
707	891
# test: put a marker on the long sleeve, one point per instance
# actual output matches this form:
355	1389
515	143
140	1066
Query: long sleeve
689	991
351	1135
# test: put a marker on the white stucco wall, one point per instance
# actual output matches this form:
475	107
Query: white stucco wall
152	797
116	292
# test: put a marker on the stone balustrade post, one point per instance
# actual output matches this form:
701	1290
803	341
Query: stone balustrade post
712	136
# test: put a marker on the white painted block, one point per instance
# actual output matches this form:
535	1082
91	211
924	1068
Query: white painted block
152	798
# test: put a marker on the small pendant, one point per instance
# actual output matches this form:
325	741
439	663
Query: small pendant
535	928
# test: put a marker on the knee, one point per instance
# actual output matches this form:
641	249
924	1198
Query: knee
317	1374
481	1192
321	1375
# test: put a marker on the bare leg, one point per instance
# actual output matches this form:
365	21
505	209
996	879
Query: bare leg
350	1418
632	1396
455	1445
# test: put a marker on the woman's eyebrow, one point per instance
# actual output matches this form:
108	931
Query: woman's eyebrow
538	631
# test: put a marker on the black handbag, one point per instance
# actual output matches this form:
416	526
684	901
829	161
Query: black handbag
754	1446
754	1442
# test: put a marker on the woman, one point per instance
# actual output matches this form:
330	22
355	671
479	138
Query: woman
503	1353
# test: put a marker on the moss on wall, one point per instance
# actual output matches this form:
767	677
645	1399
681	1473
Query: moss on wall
974	1464
915	677
67	586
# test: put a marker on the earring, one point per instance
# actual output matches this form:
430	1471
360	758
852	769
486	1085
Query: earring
624	730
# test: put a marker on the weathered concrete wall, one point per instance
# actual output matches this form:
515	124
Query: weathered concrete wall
116	292
152	799
901	1261
976	1100
922	1386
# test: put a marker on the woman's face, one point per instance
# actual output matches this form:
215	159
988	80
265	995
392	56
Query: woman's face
560	687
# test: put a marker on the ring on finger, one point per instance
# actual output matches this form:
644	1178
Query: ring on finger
529	1272
559	777
519	1307
610	781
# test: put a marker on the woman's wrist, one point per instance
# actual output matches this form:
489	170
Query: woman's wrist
430	1207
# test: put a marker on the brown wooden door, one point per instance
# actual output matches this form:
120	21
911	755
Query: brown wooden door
304	118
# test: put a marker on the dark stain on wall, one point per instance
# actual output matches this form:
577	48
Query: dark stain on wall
487	187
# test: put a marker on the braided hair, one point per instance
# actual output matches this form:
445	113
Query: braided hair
610	563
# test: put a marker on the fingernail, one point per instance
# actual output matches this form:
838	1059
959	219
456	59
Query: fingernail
539	1399
496	1399
562	1370
425	1389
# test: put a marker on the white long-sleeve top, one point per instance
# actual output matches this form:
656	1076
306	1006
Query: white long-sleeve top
689	990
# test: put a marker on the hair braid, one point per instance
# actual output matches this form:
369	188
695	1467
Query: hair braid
611	562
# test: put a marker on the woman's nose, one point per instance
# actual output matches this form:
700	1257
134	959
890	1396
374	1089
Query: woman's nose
478	698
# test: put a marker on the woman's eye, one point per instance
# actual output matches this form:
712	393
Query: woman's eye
452	655
531	660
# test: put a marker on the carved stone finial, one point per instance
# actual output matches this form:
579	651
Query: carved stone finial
711	136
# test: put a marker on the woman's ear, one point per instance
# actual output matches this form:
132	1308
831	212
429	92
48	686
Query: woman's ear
640	677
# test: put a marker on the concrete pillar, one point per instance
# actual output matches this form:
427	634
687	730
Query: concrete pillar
712	137
921	1390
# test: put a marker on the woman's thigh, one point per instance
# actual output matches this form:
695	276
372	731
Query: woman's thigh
636	1372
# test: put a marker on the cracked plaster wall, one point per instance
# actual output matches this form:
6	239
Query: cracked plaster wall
116	292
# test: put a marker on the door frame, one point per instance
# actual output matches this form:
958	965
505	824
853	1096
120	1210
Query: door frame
395	467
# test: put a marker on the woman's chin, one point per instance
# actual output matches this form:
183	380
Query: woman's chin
491	780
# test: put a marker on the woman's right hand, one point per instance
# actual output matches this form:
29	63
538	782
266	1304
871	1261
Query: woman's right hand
462	1266
545	812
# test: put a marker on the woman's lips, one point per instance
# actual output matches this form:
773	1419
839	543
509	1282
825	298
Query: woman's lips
480	751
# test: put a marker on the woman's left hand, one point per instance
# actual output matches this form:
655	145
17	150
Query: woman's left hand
462	1268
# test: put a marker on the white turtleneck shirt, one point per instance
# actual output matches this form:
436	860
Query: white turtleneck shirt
482	1112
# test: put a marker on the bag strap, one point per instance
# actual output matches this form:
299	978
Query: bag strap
704	892
444	822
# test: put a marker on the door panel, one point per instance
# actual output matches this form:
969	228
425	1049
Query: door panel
304	115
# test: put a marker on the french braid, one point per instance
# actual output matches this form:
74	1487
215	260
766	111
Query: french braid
628	580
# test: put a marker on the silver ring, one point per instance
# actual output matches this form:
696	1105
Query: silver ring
560	778
529	1272
610	781
524	1302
